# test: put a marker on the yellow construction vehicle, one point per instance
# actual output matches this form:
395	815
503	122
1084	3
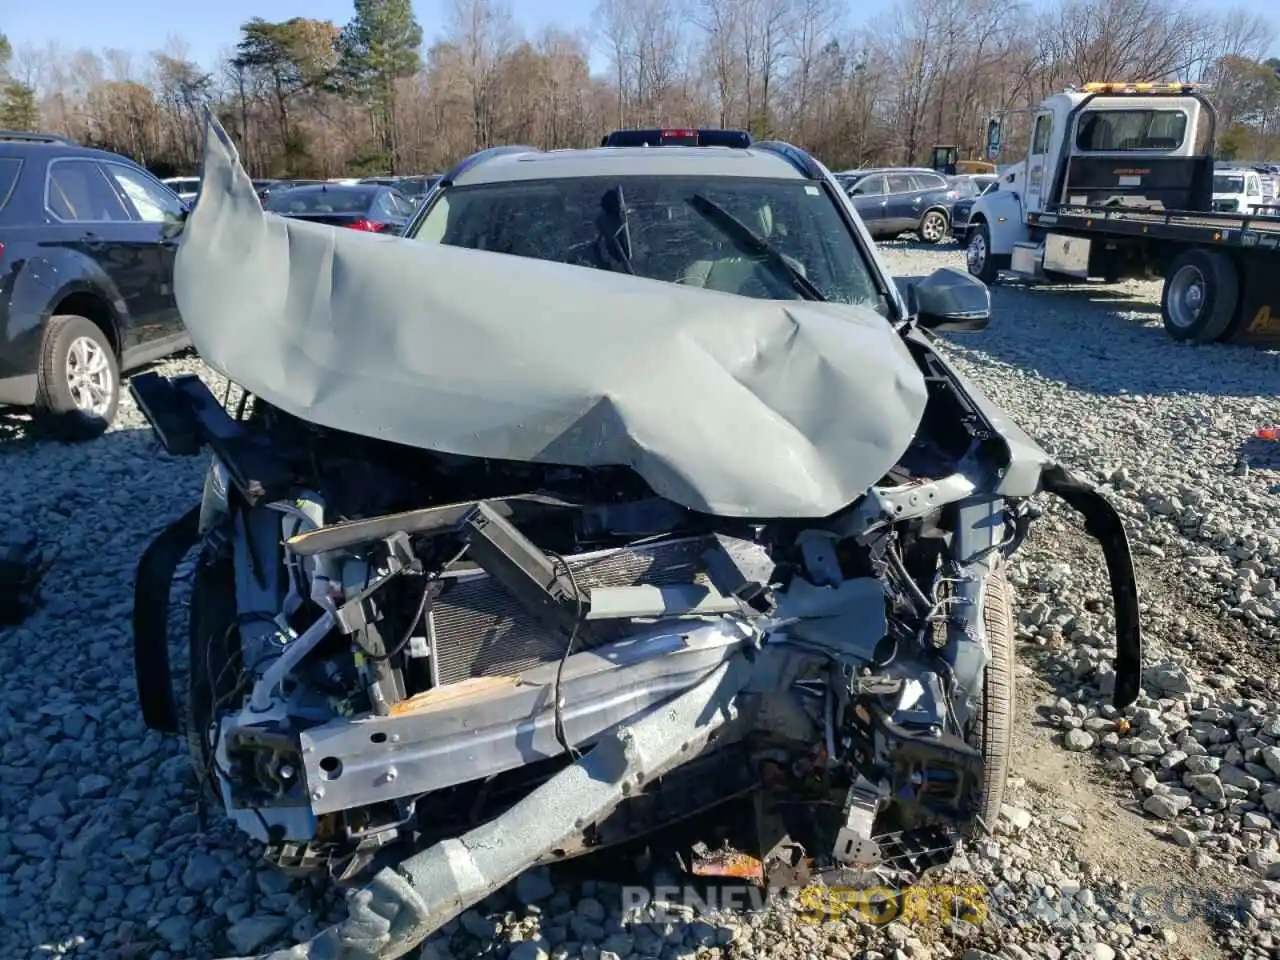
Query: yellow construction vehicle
946	159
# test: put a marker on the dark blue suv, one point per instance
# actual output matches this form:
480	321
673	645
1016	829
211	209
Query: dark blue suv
86	279
895	200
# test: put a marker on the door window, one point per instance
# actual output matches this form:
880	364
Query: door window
1255	187
899	183
153	202
78	192
1044	127
928	181
868	187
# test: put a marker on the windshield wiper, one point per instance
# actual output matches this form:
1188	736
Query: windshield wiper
752	242
614	230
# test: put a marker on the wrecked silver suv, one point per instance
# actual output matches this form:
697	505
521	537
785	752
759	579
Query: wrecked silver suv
625	483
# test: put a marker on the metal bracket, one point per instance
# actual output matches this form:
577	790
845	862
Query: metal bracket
360	611
854	845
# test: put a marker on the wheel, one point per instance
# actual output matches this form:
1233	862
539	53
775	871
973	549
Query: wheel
933	227
1201	296
78	380
213	662
981	262
993	731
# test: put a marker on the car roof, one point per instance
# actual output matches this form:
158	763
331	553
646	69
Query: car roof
518	166
53	151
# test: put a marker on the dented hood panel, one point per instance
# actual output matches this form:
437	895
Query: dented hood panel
728	405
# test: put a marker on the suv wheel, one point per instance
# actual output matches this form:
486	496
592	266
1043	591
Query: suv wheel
933	227
78	387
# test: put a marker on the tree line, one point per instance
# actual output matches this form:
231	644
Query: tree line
311	98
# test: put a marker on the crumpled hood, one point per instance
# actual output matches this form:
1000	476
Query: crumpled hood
725	404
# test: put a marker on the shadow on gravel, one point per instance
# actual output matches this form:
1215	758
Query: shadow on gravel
1101	342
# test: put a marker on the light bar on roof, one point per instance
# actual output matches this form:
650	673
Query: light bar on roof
1127	86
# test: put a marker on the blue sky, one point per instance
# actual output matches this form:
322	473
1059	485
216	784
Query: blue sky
209	26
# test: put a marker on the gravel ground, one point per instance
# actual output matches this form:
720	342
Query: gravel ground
103	855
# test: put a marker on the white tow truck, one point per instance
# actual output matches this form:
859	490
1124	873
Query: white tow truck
1118	183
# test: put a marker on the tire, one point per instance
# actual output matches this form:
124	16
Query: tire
982	263
993	732
77	381
213	659
1201	296
933	227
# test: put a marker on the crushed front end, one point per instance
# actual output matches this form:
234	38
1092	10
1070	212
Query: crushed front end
501	664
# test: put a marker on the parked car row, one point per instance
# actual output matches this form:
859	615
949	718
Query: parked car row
897	200
415	188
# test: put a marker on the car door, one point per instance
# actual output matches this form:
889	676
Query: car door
156	209
868	196
902	202
87	216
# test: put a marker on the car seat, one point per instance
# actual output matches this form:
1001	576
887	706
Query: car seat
737	272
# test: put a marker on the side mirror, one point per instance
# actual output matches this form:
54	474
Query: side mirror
951	300
994	138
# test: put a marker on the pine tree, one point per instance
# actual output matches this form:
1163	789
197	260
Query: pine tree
380	46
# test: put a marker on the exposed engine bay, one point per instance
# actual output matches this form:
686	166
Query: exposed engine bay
461	610
391	645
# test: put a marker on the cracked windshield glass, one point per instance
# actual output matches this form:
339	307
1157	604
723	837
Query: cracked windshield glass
671	235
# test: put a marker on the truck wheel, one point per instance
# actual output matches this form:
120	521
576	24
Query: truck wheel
982	263
1201	296
78	381
933	227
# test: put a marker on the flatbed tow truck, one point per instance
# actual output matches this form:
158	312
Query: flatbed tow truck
1117	184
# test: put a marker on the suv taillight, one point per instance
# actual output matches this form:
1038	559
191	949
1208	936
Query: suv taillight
368	226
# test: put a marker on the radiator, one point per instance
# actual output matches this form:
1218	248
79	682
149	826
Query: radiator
476	628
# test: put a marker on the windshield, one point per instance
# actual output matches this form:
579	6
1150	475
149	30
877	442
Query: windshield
313	200
1118	130
1225	183
667	230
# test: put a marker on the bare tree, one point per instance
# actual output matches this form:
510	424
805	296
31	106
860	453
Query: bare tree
855	93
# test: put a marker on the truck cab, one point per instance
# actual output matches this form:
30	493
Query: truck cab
1236	189
1127	146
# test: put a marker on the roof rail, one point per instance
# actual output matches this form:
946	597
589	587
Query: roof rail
794	156
31	137
475	159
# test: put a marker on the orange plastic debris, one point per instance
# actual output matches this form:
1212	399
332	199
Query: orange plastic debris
730	863
1268	433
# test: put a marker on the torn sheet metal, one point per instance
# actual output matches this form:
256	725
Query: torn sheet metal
725	404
